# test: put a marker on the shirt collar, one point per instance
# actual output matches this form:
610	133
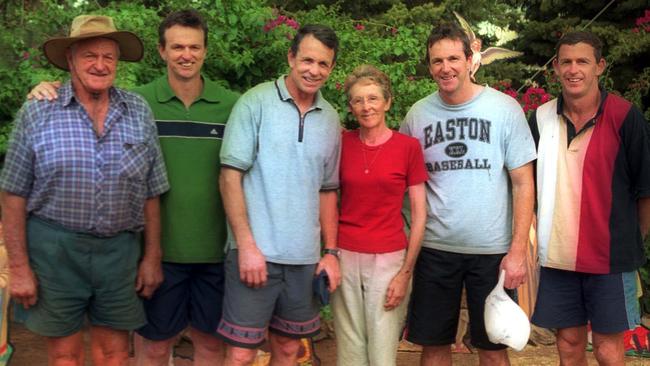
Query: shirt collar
164	92
283	93
66	95
603	96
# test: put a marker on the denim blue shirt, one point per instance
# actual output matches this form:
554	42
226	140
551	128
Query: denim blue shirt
287	159
85	182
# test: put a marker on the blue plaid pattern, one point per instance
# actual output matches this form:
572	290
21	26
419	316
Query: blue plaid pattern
84	182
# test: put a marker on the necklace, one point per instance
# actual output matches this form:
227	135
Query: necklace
367	166
383	141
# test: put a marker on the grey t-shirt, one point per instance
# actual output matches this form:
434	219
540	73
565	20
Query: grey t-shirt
286	163
468	150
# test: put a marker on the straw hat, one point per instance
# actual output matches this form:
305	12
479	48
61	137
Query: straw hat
90	26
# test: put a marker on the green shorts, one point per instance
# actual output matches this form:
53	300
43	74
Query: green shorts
81	274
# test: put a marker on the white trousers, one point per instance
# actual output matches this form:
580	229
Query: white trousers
367	334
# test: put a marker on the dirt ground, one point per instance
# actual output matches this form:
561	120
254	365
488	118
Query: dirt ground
30	351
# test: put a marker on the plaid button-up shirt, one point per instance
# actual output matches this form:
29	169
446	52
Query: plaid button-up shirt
82	181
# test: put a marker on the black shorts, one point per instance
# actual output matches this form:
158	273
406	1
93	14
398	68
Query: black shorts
191	294
438	282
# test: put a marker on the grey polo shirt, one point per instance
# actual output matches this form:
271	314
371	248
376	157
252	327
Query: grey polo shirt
287	159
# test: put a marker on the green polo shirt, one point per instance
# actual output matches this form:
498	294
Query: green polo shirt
192	216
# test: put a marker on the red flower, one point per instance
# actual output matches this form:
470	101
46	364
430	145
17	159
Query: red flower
505	84
292	23
534	97
644	19
281	19
359	27
511	92
270	25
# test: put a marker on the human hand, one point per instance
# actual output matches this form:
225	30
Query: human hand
23	285
396	291
45	90
514	264
330	264
252	266
149	277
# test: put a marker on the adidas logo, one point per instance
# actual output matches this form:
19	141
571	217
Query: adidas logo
214	132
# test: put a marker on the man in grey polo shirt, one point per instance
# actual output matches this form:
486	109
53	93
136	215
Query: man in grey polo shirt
279	176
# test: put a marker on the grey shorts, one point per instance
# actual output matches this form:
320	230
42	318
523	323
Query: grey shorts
286	305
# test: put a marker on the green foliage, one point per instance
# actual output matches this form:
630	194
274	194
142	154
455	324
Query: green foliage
21	62
326	313
357	9
639	89
242	53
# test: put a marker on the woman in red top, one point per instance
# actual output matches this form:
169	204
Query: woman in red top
378	165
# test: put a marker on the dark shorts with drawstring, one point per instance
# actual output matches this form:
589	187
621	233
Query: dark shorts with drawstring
438	281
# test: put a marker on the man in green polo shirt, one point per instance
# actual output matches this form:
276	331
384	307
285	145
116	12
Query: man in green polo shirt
190	112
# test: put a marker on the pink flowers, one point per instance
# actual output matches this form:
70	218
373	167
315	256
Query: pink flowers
643	23
292	23
506	87
281	19
359	27
645	19
511	92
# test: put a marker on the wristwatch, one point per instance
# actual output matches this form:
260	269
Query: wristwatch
334	252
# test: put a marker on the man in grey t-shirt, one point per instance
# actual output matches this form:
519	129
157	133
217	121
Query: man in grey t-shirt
478	151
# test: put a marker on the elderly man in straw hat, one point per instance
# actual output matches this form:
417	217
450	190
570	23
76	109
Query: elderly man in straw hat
81	178
191	113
